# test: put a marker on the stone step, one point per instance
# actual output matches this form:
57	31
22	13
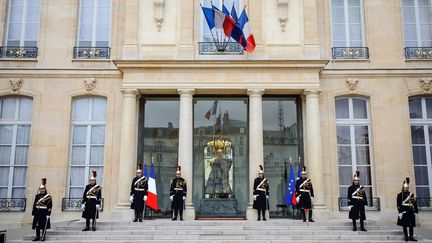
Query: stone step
222	232
224	241
216	236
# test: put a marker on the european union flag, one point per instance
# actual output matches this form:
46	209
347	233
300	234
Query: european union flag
291	187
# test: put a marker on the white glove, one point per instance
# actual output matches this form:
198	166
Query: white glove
131	199
48	217
267	196
255	197
350	207
172	198
145	198
83	207
32	218
184	198
400	216
98	207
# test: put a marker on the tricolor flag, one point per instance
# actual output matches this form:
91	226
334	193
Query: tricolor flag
152	201
212	110
223	21
145	171
290	197
243	22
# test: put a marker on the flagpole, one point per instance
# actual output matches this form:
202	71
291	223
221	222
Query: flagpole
214	40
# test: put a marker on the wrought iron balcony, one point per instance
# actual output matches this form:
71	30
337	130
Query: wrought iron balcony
424	203
373	204
215	48
74	204
91	52
418	53
12	204
350	53
18	52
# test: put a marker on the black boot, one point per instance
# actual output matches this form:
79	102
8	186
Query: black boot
303	215
264	214
181	214
411	232
362	228
354	225
87	228
37	235
140	216
310	216
136	216
405	231
259	214
175	214
94	225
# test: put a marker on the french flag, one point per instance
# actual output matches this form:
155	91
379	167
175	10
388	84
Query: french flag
212	110
223	21
243	22
152	201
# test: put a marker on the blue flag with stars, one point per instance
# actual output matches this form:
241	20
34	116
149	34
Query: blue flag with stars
291	187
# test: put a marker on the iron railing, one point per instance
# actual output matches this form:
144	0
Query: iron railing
215	48
18	52
349	53
373	204
418	53
91	52
12	204
424	203
74	204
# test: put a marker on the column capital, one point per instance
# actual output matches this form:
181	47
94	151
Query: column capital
255	92
187	92
312	92
129	92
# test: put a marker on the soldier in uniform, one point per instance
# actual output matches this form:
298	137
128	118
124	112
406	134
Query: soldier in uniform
407	208
138	194
357	201
305	194
178	192
91	203
41	212
261	194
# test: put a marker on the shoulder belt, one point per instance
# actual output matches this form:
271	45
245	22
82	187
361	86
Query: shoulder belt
261	183
47	196
355	192
93	188
140	179
304	182
407	199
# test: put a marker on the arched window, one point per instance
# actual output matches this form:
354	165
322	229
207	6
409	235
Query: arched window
353	131
87	142
420	109
15	125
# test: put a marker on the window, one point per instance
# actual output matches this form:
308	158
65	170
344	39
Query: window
87	143
23	23
354	147
94	23
347	23
15	124
420	109
417	16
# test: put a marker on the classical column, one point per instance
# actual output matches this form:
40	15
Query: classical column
127	146
256	149
313	145
185	149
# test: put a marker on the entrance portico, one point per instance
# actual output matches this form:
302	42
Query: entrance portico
189	79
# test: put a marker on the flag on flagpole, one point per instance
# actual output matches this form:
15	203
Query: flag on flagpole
243	22
290	194
212	110
299	170
223	21
209	16
145	171
152	201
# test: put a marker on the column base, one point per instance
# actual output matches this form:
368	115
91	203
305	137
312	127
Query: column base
189	213
252	214
320	211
